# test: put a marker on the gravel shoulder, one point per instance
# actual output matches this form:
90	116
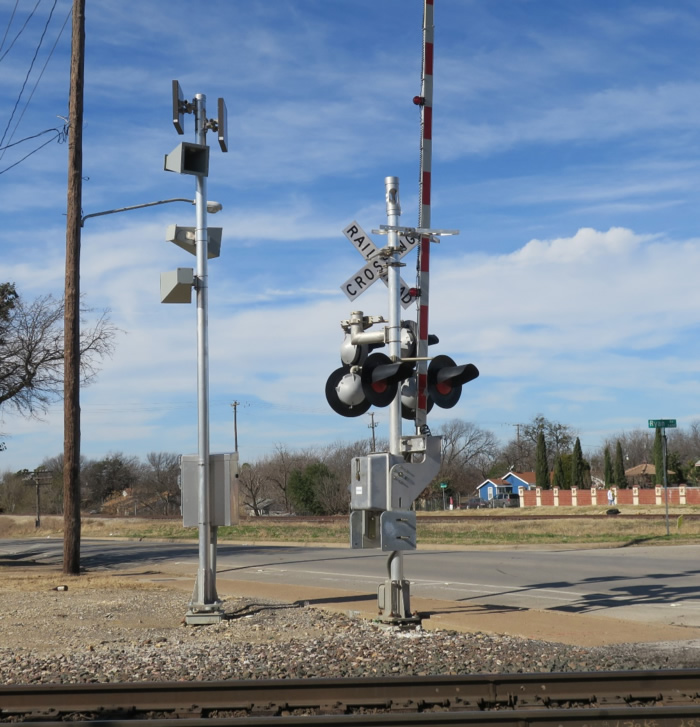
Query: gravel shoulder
130	627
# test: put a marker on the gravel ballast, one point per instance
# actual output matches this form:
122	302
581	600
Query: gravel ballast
130	633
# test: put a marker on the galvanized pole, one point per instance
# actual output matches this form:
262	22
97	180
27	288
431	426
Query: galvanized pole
205	598
393	212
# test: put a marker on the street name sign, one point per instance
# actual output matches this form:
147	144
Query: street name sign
376	267
662	423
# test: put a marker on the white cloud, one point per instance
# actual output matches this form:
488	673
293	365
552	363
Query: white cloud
546	122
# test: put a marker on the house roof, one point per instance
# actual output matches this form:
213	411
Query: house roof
494	481
528	477
643	469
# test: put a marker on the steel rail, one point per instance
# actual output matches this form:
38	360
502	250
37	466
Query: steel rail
601	691
684	716
455	518
485	512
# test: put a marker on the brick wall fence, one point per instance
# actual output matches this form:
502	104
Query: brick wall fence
537	497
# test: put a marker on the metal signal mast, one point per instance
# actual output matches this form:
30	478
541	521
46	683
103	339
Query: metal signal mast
385	484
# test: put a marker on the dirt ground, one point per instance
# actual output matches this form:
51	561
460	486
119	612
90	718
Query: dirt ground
40	606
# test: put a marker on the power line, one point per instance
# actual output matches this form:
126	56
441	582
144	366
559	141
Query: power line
59	135
29	17
31	66
41	74
9	24
33	136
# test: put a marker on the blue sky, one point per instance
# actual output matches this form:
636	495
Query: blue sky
566	151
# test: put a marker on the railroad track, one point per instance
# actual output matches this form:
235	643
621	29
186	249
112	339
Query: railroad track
484	513
491	514
601	699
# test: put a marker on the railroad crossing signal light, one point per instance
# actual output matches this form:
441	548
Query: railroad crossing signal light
381	378
344	393
352	354
445	380
409	399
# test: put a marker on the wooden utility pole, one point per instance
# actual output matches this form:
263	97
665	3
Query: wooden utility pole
373	426
71	363
235	425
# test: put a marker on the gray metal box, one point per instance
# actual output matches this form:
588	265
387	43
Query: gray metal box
188	158
223	484
176	286
368	478
364	529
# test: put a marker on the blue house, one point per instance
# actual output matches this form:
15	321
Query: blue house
509	483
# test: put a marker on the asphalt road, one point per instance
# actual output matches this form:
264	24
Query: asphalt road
644	584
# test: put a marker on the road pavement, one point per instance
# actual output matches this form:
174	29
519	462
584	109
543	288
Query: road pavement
640	593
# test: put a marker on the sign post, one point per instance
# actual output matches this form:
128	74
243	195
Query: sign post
662	424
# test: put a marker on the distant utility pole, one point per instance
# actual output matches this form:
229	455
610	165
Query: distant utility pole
235	406
71	343
373	426
39	478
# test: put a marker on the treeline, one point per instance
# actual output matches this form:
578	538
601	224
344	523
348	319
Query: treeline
151	486
316	480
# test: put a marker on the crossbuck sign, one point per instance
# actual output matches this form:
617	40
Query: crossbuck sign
376	267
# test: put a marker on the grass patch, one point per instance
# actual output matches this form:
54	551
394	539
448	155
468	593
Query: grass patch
464	528
486	531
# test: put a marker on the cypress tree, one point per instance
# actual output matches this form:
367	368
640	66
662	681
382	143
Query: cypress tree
559	476
577	465
659	457
541	469
620	477
608	475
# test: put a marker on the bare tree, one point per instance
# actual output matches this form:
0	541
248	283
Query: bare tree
158	488
685	446
253	487
52	494
15	496
332	494
637	445
559	438
337	458
467	452
31	353
277	468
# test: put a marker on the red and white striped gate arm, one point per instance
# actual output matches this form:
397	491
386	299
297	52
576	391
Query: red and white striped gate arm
425	100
